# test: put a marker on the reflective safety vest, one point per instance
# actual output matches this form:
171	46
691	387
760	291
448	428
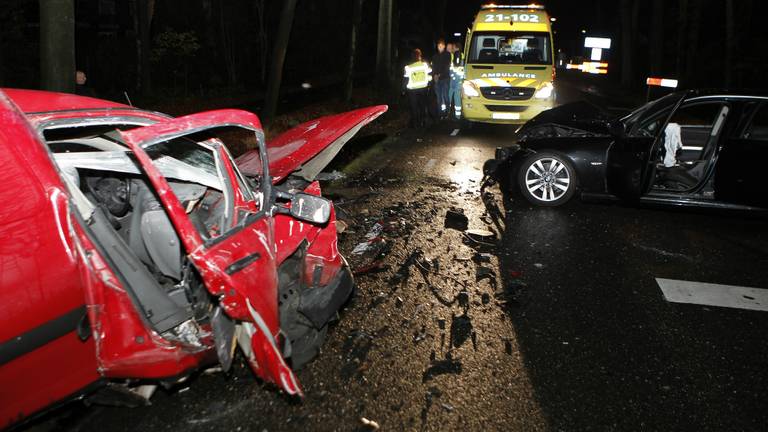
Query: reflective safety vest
457	66
419	75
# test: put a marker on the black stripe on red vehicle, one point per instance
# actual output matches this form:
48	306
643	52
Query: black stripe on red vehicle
41	335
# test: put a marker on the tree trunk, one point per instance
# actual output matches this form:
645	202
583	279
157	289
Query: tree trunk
57	45
627	43
261	39
394	66
144	12
730	41
691	48
440	8
278	58
384	42
682	27
357	6
227	48
656	45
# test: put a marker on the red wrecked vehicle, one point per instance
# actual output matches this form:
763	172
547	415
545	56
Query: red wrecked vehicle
134	249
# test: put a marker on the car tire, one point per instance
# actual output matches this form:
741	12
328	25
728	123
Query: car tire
546	179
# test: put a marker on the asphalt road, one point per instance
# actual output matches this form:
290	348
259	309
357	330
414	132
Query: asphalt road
558	325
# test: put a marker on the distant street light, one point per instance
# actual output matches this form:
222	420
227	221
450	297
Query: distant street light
583	32
457	34
553	19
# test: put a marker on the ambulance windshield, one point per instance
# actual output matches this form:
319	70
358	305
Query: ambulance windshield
510	48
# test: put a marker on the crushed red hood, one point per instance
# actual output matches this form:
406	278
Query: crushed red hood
308	148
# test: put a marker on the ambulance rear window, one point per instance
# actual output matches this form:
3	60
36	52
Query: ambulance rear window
510	48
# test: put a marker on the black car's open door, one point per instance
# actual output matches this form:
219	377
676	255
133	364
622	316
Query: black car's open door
736	182
629	166
627	169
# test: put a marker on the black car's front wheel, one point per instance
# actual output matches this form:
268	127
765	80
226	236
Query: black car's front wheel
547	179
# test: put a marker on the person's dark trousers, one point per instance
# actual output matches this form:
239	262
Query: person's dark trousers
418	102
441	88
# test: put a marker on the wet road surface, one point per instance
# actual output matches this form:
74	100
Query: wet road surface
556	325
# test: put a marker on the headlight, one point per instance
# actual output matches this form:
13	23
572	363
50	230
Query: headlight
470	89
544	92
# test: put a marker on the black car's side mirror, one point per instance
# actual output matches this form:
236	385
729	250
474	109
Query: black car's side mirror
306	207
617	129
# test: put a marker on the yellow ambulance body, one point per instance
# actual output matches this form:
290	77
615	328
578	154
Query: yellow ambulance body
509	73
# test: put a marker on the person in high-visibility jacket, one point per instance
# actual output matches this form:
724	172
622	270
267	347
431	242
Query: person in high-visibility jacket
417	78
457	77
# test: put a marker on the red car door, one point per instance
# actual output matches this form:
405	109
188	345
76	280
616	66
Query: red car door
237	266
46	350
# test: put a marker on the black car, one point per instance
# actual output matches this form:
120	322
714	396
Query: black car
693	148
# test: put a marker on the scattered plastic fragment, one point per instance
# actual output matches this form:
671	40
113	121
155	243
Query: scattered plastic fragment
480	235
456	219
341	226
539	265
370	423
482	257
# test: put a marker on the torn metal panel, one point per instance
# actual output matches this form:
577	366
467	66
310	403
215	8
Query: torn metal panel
310	146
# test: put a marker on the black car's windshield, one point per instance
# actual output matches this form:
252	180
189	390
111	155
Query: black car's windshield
634	121
502	47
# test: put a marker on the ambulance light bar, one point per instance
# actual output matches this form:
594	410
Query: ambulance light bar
495	6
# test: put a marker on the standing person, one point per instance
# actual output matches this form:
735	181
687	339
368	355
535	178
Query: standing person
441	65
417	78
457	77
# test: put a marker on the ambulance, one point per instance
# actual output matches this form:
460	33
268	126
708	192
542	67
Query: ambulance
510	65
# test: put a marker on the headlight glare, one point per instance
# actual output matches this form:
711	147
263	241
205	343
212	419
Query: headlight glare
470	89
545	92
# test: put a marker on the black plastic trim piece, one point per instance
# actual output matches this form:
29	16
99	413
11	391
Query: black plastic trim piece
242	263
41	335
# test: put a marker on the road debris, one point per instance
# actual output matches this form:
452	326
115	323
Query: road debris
481	235
456	219
420	335
482	257
341	226
369	423
331	176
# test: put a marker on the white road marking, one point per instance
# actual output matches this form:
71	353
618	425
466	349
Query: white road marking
677	291
430	164
455	132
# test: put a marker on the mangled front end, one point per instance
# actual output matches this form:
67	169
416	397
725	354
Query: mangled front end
186	257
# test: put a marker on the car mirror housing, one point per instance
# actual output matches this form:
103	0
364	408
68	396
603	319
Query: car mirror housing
617	129
310	208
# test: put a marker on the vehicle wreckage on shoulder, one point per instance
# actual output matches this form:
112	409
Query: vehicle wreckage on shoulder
136	249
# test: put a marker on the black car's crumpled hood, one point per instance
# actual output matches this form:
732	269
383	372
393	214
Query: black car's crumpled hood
569	120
